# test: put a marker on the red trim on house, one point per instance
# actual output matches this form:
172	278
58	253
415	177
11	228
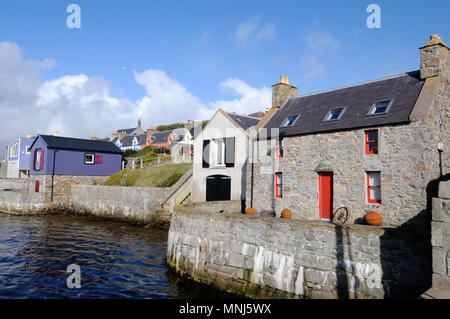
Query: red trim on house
367	142
326	195
277	184
370	200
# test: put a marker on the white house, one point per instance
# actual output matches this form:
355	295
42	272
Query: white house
220	157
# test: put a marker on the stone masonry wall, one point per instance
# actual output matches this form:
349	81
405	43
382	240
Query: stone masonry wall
19	184
62	185
440	237
276	258
132	203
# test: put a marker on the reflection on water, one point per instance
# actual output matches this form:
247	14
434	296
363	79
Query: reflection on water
117	260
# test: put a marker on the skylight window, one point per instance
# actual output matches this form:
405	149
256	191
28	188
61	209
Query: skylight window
334	114
289	121
380	108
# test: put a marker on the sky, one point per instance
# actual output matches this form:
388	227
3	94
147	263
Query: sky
173	61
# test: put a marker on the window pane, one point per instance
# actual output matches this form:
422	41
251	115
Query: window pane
37	163
89	158
290	120
380	108
374	179
375	193
372	136
279	179
220	152
279	190
335	114
373	147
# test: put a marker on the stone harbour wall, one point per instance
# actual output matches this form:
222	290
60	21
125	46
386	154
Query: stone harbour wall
266	257
440	237
19	202
132	203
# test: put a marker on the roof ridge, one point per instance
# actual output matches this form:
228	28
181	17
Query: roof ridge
357	84
250	117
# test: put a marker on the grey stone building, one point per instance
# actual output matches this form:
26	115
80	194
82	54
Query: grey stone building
380	145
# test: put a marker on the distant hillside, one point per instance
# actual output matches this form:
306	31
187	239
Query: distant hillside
169	127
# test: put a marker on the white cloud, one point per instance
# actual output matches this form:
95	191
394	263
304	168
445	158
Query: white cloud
83	106
166	99
250	99
253	31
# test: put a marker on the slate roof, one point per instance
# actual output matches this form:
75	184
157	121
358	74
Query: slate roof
127	130
80	144
142	138
160	137
259	114
357	99
127	140
244	121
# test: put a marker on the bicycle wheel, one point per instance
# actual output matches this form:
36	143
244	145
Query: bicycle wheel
341	215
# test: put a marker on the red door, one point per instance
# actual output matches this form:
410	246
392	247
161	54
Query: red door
326	195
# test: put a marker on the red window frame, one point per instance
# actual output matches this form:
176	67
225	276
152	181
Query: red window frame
369	199
278	185
367	142
280	148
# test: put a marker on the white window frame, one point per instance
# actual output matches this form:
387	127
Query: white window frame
37	160
327	117
88	162
220	142
286	120
13	150
373	107
27	150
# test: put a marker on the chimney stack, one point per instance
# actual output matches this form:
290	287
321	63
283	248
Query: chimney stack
281	92
56	133
434	58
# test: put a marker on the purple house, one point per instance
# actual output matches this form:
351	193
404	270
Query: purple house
55	155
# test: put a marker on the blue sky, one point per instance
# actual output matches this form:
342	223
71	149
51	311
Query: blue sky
205	51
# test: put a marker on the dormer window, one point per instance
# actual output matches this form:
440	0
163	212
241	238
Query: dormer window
334	114
289	121
379	108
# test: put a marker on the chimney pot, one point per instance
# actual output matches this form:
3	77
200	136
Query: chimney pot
284	79
434	37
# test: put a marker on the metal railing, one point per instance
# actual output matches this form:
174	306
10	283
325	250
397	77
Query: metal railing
142	162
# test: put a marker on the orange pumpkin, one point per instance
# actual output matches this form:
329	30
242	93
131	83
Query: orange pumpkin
373	218
286	213
250	211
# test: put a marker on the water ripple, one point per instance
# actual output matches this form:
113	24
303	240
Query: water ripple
116	260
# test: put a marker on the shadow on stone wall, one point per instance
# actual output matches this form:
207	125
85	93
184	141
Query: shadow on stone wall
342	275
405	255
410	245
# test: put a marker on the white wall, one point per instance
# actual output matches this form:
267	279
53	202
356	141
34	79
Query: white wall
220	126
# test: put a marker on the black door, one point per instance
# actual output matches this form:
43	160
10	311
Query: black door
218	187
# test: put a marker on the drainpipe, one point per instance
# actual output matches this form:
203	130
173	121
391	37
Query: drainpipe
440	150
53	173
253	163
